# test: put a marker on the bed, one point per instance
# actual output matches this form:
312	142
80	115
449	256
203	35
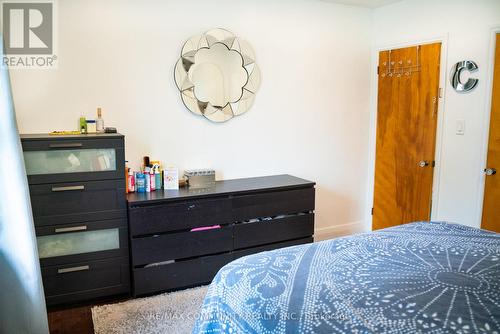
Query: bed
421	277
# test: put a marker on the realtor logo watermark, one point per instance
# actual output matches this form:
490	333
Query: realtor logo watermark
29	34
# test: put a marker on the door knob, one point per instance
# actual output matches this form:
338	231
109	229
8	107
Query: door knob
423	163
490	171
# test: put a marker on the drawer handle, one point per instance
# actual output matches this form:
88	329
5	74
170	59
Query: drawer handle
69	188
72	269
70	229
66	145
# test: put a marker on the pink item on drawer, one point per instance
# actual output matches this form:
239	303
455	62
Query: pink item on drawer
205	228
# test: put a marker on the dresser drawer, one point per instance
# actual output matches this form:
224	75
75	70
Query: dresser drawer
181	245
254	250
273	203
275	230
165	217
70	243
179	274
79	159
65	203
86	280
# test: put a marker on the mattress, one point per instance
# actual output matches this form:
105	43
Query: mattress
416	278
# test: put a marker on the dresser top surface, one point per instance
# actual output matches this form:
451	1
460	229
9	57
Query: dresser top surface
225	187
46	136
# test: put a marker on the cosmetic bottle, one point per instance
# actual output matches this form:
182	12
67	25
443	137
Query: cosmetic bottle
141	183
131	181
147	180
127	171
99	121
152	179
158	177
83	125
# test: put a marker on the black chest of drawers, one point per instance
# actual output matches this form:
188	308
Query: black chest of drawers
77	192
254	214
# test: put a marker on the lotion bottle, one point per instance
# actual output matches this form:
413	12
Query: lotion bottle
152	179
157	177
99	121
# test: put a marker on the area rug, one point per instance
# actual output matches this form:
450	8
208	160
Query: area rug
173	312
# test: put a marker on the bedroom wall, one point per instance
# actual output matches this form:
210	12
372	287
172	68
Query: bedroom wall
310	118
466	27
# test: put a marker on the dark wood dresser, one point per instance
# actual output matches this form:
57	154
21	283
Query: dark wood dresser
254	214
77	192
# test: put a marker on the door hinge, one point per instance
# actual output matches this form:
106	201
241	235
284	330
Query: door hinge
372	211
378	70
434	106
440	93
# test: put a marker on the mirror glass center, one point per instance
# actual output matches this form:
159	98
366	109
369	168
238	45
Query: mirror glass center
218	75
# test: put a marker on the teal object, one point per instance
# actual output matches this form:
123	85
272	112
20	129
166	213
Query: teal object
158	181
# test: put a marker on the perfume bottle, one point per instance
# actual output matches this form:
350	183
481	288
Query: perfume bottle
99	121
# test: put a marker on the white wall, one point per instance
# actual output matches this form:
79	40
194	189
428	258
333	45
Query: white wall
311	114
466	27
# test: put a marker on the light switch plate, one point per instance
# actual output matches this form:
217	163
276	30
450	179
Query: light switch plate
460	128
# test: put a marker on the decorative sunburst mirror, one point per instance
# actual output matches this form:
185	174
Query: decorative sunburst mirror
217	75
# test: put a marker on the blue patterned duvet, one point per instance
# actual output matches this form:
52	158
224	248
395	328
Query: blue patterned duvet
420	277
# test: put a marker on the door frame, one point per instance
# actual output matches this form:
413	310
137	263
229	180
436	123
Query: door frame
486	121
443	39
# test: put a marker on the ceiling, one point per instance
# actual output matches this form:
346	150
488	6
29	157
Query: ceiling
364	3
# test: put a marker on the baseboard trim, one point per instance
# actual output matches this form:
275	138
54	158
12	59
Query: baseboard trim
336	231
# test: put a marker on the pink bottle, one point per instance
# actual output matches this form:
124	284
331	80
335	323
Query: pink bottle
152	179
131	182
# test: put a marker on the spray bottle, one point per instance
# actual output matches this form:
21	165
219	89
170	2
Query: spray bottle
156	168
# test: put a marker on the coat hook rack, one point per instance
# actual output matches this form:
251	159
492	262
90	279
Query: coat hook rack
401	67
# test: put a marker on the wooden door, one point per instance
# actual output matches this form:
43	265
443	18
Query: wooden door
408	92
491	206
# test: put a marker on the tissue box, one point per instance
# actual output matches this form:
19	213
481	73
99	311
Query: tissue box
200	178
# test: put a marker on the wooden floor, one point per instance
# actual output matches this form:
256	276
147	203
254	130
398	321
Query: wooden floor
75	321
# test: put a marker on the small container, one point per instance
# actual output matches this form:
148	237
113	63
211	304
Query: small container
145	161
91	126
141	183
147	180
83	125
131	182
200	178
155	173
127	178
152	179
158	179
99	121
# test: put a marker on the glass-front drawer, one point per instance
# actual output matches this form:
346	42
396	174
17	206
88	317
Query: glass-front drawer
61	244
70	161
78	243
74	159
